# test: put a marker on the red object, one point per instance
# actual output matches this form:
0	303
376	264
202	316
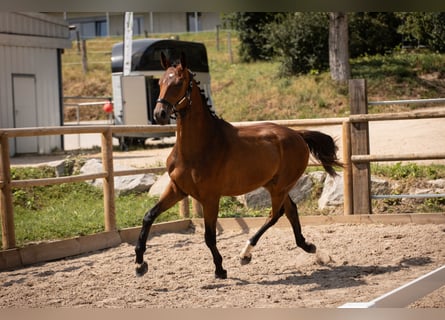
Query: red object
108	107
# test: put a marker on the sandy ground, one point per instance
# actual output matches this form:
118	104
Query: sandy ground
354	263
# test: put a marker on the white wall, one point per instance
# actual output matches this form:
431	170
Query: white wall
42	63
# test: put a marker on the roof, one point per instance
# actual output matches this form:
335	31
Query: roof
29	29
146	54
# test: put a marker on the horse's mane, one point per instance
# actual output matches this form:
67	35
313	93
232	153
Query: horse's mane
205	101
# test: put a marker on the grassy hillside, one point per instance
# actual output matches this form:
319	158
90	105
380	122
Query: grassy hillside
253	91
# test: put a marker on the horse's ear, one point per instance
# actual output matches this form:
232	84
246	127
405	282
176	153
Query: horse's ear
164	61
183	61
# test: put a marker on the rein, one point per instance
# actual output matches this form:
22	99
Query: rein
186	96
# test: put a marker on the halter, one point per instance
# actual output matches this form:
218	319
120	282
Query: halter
186	96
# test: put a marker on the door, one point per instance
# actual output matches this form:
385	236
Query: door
25	110
134	100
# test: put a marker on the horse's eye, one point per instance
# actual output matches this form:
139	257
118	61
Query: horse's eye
178	83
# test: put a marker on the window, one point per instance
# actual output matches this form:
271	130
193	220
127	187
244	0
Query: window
191	21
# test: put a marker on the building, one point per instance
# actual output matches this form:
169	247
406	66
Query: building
91	25
31	45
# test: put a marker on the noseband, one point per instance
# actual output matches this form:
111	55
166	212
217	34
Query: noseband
186	96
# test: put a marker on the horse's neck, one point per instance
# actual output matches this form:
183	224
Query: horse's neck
196	128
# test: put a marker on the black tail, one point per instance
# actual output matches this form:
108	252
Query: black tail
323	148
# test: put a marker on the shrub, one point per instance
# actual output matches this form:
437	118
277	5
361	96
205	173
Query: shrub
300	40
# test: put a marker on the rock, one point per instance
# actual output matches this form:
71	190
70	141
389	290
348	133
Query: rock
379	186
318	176
59	168
260	198
332	194
124	184
93	166
256	199
159	186
302	188
438	183
134	184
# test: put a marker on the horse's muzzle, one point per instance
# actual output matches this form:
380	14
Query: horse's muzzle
161	113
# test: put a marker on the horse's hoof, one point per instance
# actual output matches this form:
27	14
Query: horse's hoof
221	274
310	248
245	260
141	269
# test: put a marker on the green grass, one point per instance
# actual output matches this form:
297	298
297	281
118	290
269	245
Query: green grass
400	171
76	209
68	210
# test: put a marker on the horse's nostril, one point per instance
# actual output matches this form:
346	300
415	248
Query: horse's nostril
163	114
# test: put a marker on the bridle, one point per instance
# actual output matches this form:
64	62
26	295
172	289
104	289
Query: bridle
186	96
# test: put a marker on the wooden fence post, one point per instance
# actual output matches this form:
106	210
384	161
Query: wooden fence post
197	208
229	47
361	178
108	181
6	207
347	173
84	56
184	208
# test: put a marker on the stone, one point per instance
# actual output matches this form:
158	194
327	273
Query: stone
260	198
380	186
302	189
256	199
437	183
124	184
332	194
159	186
318	176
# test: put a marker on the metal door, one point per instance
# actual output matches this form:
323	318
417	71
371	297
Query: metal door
25	110
134	100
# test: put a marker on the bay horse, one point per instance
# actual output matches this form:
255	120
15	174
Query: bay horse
212	158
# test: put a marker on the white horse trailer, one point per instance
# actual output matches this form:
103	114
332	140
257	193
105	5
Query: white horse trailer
135	94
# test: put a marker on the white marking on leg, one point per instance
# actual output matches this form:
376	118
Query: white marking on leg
245	253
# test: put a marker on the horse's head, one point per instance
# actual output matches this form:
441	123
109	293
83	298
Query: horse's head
175	89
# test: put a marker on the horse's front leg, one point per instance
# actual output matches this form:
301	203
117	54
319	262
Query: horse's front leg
210	209
170	196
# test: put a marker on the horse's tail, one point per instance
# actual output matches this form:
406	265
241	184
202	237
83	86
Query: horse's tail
323	148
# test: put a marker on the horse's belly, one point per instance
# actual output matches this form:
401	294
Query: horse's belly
246	176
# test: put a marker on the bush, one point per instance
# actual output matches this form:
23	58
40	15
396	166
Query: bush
373	33
250	26
423	28
300	40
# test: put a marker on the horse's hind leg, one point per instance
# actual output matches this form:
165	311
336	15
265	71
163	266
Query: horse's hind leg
170	196
292	214
275	214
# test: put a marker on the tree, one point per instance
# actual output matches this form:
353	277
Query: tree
423	28
339	46
250	27
373	33
300	42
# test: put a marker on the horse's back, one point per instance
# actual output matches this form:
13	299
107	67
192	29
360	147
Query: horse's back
259	154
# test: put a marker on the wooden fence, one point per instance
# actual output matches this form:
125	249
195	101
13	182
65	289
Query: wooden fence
360	156
354	145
